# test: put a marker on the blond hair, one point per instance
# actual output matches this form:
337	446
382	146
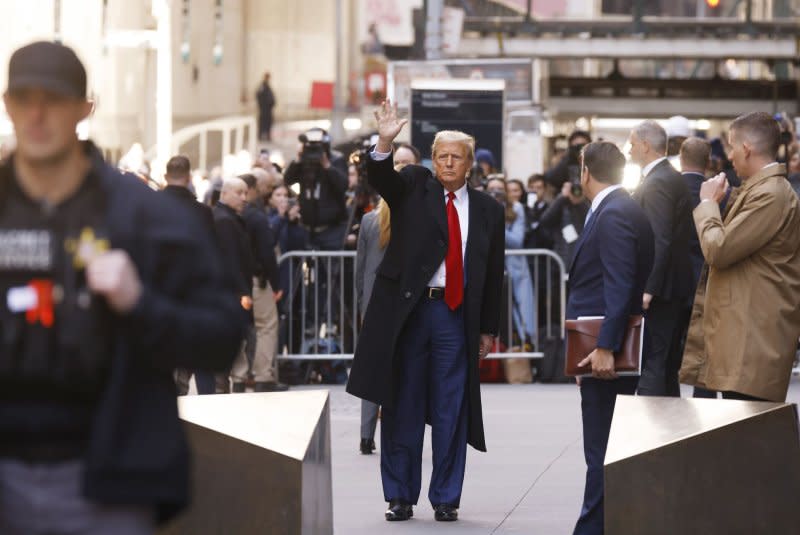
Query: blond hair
454	136
384	224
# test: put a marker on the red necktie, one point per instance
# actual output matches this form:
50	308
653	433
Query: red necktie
454	283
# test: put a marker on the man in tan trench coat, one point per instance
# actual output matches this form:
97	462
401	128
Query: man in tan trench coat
746	321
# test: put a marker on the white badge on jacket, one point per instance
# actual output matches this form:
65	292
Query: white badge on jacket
569	233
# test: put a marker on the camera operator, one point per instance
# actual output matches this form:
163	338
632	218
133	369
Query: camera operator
564	219
323	185
568	168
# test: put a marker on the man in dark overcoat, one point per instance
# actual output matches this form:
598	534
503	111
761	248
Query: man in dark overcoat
266	101
433	313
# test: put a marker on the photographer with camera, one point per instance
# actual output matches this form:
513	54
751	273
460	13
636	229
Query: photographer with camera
563	220
569	167
323	185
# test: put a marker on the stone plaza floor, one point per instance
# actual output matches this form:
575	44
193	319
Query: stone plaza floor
530	481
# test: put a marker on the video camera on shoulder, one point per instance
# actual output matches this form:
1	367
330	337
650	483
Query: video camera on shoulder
316	143
360	156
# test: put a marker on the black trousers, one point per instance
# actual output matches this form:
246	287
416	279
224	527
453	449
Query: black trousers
664	329
265	125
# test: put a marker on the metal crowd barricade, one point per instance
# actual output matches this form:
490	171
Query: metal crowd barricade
550	291
319	317
319	313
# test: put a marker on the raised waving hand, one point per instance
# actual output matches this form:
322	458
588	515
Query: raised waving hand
389	125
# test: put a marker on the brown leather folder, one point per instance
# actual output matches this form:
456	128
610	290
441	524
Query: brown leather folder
582	335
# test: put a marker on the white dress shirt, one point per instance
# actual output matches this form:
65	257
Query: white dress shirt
461	203
596	202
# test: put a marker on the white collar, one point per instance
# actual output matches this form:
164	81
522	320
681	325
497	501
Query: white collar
461	193
649	167
770	165
600	197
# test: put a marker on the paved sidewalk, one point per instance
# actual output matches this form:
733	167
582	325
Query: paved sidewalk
530	481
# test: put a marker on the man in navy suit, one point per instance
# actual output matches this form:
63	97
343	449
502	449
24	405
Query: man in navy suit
694	156
612	261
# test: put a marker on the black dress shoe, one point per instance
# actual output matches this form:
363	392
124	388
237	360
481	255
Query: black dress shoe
367	446
445	513
237	388
399	510
270	386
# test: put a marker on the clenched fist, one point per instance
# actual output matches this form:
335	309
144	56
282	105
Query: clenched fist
113	275
714	189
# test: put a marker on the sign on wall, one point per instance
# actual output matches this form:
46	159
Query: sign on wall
476	107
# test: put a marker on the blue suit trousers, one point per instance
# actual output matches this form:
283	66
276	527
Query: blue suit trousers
431	386
598	398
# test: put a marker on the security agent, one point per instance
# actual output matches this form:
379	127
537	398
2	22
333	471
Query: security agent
178	178
612	261
323	185
103	297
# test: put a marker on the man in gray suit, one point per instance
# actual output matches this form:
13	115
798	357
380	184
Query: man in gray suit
369	254
664	197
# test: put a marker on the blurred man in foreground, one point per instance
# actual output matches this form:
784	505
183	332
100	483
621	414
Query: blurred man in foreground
103	298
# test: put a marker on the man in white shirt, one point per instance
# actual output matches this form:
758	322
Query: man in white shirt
433	312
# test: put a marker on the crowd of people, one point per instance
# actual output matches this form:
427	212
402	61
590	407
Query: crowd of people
319	200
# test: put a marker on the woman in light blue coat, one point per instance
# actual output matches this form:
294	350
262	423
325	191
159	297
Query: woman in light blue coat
524	303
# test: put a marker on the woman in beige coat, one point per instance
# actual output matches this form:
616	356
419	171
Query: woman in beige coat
743	337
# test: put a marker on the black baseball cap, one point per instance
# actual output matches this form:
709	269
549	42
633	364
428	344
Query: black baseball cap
50	66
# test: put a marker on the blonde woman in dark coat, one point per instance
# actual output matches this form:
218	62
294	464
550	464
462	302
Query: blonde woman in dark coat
372	241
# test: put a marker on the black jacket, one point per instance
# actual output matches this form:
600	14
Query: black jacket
560	214
187	316
203	211
417	248
262	244
322	198
693	183
536	236
235	246
266	98
665	198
